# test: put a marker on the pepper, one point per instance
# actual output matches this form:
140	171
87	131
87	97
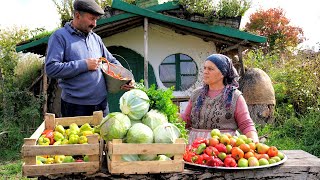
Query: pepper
187	156
230	162
197	159
199	141
211	151
43	140
215	162
205	158
48	133
201	148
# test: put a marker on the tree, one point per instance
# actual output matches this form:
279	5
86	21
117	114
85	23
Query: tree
273	24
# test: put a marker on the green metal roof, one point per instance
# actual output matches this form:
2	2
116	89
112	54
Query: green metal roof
151	12
118	4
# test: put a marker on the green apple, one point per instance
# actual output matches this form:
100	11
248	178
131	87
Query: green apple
240	141
244	137
229	147
263	161
271	161
262	148
248	140
222	155
280	155
215	132
253	161
242	162
277	158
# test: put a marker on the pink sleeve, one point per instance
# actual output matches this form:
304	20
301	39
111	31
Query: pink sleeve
186	115
242	116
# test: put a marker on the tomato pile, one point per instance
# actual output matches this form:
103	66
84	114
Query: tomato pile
225	150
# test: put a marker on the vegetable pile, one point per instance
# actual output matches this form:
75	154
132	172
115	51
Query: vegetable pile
63	136
143	120
224	150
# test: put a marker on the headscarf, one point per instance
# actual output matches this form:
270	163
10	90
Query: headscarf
224	64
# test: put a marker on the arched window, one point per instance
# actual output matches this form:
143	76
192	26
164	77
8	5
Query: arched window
178	70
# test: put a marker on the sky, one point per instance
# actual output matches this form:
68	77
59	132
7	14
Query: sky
42	14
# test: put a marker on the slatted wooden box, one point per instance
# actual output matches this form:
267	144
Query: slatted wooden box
115	149
93	149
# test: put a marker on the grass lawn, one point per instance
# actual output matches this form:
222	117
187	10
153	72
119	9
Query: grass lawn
12	170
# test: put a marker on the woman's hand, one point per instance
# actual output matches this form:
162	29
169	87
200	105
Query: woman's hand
253	135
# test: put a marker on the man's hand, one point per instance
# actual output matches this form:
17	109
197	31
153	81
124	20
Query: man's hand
93	63
128	86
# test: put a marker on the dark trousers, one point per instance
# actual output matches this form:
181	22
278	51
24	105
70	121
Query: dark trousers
71	110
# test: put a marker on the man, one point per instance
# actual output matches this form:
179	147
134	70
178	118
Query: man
73	57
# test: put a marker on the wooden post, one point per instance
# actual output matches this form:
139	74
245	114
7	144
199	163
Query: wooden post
241	61
146	52
45	91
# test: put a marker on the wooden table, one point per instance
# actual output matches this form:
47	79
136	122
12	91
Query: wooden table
300	165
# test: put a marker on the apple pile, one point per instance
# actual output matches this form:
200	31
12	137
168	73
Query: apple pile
72	135
225	150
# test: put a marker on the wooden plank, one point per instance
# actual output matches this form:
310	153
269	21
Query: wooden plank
74	149
116	149
38	132
146	51
46	169
49	119
128	148
145	167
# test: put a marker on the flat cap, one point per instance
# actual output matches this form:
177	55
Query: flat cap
89	6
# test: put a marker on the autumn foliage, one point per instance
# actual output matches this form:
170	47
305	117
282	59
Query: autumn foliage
273	24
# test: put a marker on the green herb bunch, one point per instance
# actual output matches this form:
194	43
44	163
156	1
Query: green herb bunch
160	99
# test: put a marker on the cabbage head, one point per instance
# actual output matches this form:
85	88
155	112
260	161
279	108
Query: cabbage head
154	118
135	104
166	133
130	157
114	126
147	157
140	133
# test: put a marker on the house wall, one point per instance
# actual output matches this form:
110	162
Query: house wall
162	43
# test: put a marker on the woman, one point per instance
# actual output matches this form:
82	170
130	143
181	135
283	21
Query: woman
218	104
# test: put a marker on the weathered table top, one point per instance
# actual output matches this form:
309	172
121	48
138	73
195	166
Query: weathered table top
300	165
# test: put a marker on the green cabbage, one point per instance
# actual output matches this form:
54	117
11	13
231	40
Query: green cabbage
147	157
139	133
162	157
114	126
134	103
166	133
154	118
130	157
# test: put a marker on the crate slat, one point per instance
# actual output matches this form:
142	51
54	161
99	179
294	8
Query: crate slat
74	149
46	169
116	149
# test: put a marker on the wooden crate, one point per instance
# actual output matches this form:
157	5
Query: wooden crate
93	149
116	149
